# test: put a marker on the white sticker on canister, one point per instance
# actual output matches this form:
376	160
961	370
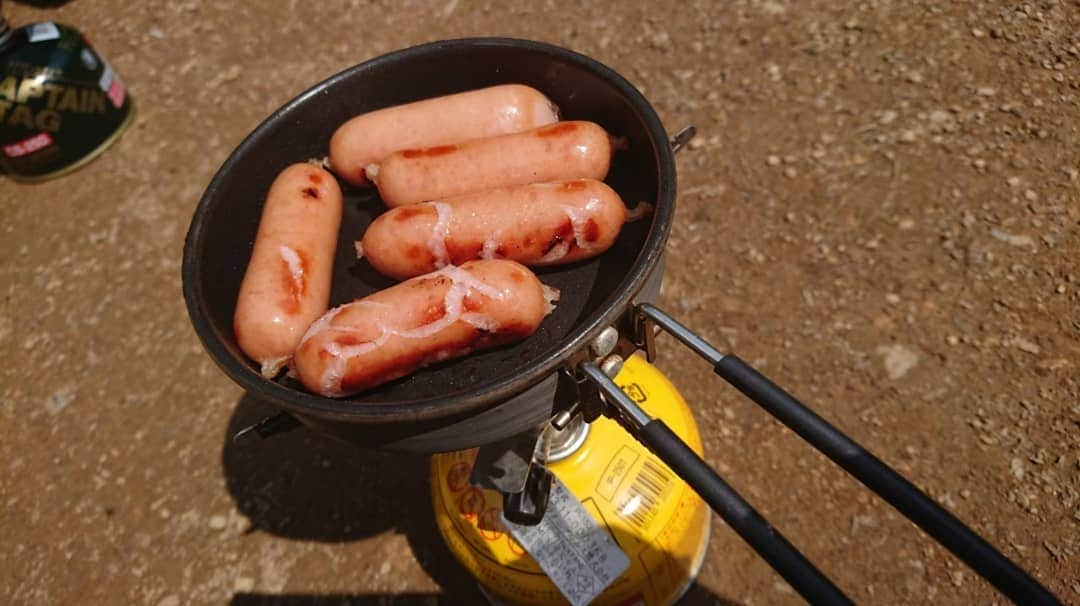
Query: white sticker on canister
42	31
578	555
106	77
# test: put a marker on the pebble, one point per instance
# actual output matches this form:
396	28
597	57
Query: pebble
156	33
952	340
773	160
244	584
1013	181
986	91
898	360
790	172
908	136
1015	240
59	400
170	600
892	298
217	522
1016	468
1025	345
887	117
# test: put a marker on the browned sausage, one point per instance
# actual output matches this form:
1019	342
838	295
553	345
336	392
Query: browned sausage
446	120
537	224
434	317
565	150
287	282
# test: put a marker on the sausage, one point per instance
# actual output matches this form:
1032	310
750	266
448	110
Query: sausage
287	282
443	120
564	150
537	224
428	319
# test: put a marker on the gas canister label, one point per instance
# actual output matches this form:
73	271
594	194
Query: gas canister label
42	31
578	555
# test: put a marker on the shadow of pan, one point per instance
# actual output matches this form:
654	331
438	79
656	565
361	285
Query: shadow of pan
696	596
306	486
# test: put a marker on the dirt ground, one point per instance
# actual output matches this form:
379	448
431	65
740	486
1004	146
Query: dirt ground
881	211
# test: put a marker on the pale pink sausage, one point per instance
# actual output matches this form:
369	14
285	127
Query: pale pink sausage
564	150
485	112
537	224
287	283
434	317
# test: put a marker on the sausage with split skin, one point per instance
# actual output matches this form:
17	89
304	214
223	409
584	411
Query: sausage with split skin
564	150
287	282
538	224
428	319
446	120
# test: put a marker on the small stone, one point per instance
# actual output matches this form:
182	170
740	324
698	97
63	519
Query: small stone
986	91
979	163
965	494
773	160
244	584
59	400
1016	468
908	136
887	116
1060	289
1025	345
1030	195
952	340
1013	181
1014	240
898	360
790	172
906	224
217	522
957	577
156	33
978	33
914	77
384	569
170	600
892	298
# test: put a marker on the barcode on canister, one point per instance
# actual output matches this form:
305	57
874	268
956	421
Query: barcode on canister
643	497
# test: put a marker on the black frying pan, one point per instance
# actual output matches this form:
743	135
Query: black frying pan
483	397
419	412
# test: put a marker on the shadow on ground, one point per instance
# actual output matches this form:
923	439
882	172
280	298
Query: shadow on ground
301	485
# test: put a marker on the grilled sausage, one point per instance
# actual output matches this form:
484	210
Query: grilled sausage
564	150
537	224
442	315
443	120
287	283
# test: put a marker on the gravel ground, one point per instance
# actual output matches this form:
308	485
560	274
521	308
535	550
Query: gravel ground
881	211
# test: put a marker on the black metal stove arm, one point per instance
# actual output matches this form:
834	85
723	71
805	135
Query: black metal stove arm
942	526
280	422
722	498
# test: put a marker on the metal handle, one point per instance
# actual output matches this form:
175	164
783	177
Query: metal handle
721	497
945	528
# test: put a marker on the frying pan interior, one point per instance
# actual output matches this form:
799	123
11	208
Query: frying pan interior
593	292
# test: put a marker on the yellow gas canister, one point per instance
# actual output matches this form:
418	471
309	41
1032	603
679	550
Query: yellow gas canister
656	519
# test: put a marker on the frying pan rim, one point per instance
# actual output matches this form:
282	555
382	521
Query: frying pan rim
484	396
